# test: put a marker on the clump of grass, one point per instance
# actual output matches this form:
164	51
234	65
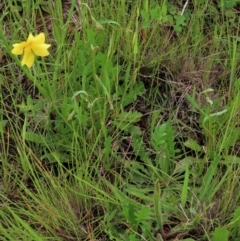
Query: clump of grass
129	130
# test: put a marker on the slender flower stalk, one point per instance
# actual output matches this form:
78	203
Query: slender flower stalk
34	46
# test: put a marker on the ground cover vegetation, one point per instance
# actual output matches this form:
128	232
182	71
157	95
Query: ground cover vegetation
129	129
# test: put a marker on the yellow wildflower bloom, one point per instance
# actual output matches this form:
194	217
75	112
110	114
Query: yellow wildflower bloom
33	46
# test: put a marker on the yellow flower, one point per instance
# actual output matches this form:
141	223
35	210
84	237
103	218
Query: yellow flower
33	46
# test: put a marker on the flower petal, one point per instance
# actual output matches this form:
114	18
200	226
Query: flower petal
18	48
33	46
31	38
28	57
39	39
40	49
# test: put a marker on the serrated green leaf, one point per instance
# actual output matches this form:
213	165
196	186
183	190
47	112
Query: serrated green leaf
132	95
231	159
181	165
125	120
193	145
220	234
144	14
177	28
155	12
169	18
108	145
36	138
180	20
146	24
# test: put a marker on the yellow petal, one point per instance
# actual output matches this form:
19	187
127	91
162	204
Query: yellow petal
31	38
28	57
40	49
18	48
39	39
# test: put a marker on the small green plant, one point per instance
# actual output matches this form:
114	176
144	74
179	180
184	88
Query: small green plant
227	4
165	14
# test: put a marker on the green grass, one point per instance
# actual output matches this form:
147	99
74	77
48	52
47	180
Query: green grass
129	130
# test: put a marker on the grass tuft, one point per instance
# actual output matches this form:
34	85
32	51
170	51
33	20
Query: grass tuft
129	130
